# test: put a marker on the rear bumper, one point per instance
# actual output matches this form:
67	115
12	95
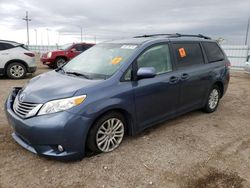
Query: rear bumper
42	134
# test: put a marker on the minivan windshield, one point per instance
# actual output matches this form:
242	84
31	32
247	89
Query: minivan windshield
99	62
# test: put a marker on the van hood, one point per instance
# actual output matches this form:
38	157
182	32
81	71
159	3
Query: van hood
53	85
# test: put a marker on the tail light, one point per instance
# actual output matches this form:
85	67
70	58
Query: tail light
30	54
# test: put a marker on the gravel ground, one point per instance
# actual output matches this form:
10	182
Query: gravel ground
194	150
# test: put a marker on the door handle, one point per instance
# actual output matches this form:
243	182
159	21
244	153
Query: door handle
184	76
173	79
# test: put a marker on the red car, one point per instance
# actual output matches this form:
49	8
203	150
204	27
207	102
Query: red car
57	58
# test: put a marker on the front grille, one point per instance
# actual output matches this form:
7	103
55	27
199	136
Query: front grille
25	109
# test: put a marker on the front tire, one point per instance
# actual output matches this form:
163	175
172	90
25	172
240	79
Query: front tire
213	100
59	62
107	133
16	70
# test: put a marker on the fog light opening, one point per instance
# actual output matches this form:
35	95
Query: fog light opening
60	148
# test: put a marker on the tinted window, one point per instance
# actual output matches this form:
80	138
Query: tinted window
157	57
1	46
213	52
82	47
79	47
188	54
86	46
5	46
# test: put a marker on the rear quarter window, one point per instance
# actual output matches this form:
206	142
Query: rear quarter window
213	52
6	46
188	54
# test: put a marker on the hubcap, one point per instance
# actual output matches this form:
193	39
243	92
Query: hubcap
17	71
110	135
213	98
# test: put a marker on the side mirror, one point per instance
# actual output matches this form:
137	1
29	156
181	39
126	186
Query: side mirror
146	72
73	50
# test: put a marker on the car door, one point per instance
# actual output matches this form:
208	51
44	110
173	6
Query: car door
156	98
75	50
193	74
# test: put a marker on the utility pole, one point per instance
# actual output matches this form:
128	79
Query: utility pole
27	19
81	33
36	35
48	35
248	22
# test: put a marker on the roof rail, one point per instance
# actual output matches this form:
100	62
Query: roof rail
153	35
174	35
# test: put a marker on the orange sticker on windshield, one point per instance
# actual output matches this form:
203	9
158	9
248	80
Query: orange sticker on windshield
182	52
116	60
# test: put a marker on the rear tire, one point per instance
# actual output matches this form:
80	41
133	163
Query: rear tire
16	70
107	133
213	99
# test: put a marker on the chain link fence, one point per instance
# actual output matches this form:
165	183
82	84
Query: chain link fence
43	48
237	54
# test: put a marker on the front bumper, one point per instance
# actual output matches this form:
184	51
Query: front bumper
42	134
47	61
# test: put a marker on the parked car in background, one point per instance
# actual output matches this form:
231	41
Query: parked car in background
15	60
117	88
59	57
247	66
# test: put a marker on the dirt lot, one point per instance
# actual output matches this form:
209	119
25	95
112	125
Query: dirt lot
194	150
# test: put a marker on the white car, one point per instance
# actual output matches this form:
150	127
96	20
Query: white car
15	60
247	67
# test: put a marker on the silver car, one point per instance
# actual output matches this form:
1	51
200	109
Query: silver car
16	60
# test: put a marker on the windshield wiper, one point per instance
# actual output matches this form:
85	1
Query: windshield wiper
78	74
60	68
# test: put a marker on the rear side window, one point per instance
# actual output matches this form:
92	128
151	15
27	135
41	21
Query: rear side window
5	46
79	47
213	51
188	54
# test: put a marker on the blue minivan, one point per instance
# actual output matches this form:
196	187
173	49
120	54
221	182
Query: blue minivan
117	88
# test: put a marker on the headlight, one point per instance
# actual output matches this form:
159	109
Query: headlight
49	55
61	104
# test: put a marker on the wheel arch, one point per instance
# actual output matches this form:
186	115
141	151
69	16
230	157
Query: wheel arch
15	61
61	56
127	116
221	87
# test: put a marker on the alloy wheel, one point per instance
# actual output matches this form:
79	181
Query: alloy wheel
110	135
213	99
17	71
